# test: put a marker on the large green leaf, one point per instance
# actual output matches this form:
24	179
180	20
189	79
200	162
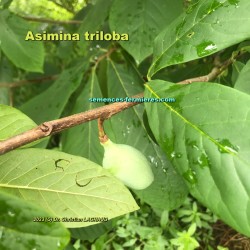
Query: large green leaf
242	82
142	20
13	122
168	190
67	186
19	231
83	140
202	31
206	135
27	55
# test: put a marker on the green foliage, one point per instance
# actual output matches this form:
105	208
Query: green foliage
206	149
62	9
161	230
13	122
198	145
200	32
142	21
25	55
242	80
19	231
68	186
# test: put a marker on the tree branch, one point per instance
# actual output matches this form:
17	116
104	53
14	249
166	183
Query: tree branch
55	126
46	20
215	72
101	113
26	82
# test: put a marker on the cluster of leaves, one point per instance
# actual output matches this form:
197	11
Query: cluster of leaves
188	227
191	148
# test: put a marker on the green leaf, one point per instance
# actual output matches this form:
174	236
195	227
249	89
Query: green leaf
50	104
92	232
168	190
19	231
5	3
27	55
67	186
242	82
100	12
83	140
4	96
142	21
13	122
236	70
201	31
6	75
206	135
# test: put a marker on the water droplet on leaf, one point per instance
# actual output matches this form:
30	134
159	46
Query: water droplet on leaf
190	176
11	214
227	147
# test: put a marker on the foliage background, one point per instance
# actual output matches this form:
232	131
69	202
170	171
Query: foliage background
171	41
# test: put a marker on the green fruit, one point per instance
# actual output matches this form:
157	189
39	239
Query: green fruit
127	164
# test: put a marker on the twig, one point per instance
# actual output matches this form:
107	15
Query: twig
46	20
102	113
216	71
107	54
55	126
102	135
25	82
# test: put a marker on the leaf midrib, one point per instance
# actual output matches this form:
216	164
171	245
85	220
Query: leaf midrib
192	125
58	191
177	39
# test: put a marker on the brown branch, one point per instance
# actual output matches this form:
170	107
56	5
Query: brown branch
102	135
215	72
55	126
25	82
46	20
101	113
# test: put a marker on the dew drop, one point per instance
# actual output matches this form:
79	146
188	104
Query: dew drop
58	244
11	214
153	160
190	176
203	161
164	170
227	147
217	21
234	2
176	155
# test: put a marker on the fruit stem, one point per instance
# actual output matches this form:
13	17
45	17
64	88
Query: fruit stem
102	136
